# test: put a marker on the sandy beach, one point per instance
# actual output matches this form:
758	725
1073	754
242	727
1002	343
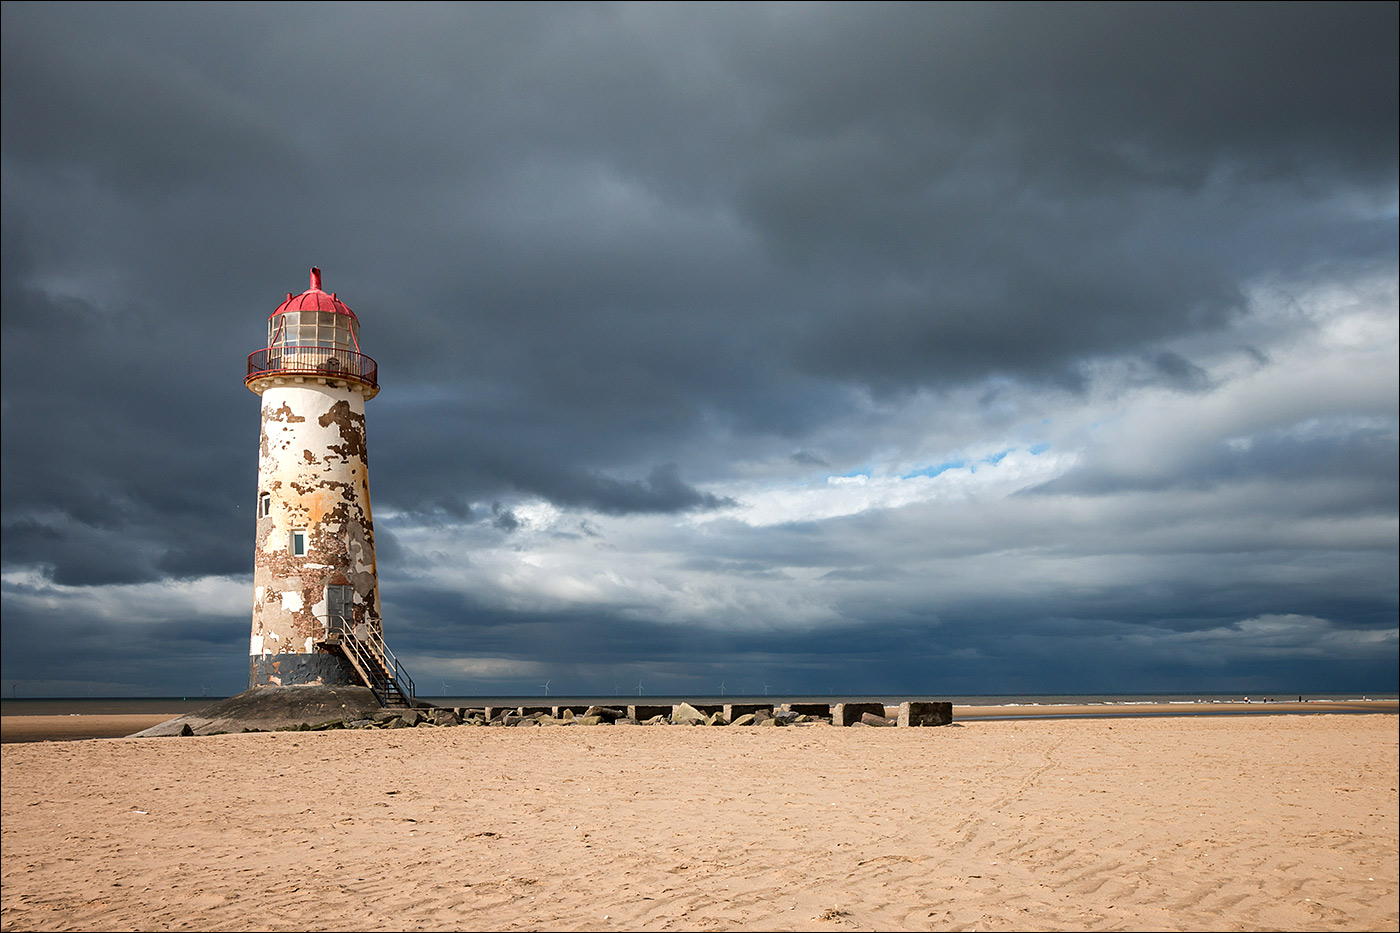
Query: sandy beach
1189	822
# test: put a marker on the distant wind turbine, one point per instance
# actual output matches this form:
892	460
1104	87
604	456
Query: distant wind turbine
444	687
639	686
765	689
721	688
545	685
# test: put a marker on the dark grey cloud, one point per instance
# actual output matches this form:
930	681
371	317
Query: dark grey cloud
143	652
651	264
117	441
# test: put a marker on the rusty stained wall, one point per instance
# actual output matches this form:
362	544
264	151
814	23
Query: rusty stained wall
313	463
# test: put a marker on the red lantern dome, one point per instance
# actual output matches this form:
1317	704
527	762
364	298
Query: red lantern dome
314	299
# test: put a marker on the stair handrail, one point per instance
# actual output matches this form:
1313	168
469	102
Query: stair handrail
371	647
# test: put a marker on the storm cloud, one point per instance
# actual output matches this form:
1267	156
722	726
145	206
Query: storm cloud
968	348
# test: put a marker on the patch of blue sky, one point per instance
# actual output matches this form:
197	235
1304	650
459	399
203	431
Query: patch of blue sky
964	464
936	469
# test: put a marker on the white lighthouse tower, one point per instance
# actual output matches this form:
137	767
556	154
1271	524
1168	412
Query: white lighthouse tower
316	617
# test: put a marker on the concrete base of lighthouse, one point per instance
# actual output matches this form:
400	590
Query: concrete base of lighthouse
290	670
269	710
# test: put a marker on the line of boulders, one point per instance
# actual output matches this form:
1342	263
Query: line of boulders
933	713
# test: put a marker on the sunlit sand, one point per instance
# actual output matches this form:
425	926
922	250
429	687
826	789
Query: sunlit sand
1193	822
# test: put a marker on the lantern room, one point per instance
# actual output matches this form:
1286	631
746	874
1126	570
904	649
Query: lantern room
313	334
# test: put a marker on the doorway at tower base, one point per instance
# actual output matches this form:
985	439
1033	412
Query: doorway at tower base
289	670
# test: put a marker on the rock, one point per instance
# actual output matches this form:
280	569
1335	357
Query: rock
785	716
870	719
744	720
685	714
606	713
186	729
588	720
768	722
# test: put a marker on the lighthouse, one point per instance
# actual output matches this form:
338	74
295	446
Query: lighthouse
316	610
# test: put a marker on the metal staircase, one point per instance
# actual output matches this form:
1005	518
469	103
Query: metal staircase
366	651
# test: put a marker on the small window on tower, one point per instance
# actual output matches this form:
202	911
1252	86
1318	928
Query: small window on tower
264	505
299	543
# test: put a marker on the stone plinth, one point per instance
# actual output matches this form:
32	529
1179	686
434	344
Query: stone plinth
932	713
733	711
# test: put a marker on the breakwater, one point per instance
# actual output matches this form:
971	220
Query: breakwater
906	714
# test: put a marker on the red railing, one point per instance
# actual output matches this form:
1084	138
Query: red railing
313	361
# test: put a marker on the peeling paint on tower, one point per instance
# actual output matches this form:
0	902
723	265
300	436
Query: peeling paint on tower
314	566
